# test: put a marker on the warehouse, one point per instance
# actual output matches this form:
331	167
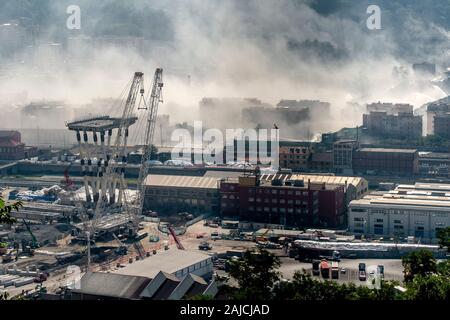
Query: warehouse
419	211
172	261
172	194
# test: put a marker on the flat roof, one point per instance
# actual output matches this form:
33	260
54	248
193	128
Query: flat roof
430	204
169	261
181	181
386	150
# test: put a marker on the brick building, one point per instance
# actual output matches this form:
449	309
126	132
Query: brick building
12	148
295	156
287	203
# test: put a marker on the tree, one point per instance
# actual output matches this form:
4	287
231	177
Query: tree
420	262
5	211
429	287
304	287
255	274
444	238
153	152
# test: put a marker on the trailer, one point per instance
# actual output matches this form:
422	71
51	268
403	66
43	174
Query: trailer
335	270
325	269
316	267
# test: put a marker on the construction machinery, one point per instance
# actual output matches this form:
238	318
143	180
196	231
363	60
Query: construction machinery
177	241
155	99
34	244
122	249
263	237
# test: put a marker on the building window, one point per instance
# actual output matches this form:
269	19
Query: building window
266	209
378	229
251	199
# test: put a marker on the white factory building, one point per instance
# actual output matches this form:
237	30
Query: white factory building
418	210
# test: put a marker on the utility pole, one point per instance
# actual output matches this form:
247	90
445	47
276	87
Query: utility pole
88	238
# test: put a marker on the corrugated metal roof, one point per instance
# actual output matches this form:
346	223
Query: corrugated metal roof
181	181
169	261
112	285
329	179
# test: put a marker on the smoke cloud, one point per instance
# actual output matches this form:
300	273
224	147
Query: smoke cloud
271	50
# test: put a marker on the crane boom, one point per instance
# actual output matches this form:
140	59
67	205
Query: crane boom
177	241
155	99
117	165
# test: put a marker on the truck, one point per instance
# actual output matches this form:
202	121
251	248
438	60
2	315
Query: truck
381	271
335	270
316	267
205	246
325	269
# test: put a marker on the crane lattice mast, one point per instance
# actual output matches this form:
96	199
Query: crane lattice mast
155	99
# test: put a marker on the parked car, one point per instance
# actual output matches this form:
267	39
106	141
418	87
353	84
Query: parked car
362	275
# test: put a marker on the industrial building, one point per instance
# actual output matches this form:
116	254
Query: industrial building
343	155
169	275
12	147
392	121
296	156
173	194
442	125
164	286
419	210
173	261
289	203
400	162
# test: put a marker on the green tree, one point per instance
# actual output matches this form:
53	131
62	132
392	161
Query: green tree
255	274
428	287
420	262
5	211
305	287
444	238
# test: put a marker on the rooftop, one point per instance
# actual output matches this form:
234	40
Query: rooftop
181	181
329	179
386	150
112	285
169	261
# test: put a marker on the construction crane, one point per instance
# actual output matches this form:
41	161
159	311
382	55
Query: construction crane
177	241
155	99
116	165
34	244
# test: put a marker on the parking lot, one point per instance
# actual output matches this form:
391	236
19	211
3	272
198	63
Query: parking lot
393	268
